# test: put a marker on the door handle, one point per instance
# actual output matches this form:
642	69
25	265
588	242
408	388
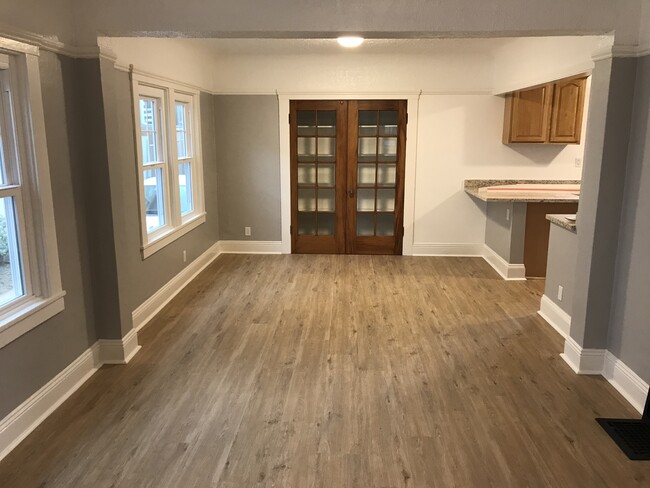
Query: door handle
351	193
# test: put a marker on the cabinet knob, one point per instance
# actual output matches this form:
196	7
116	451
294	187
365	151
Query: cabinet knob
351	193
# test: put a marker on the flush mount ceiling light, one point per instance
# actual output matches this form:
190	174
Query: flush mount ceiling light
350	41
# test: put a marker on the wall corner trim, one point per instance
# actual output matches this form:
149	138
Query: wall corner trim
583	361
555	316
152	305
506	270
447	249
119	351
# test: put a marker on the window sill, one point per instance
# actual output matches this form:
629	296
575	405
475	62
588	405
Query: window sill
168	237
32	314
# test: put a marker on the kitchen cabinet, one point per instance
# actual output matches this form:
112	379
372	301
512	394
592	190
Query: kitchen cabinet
546	114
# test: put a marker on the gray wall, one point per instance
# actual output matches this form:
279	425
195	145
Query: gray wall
560	267
608	129
247	140
138	279
629	335
33	359
504	237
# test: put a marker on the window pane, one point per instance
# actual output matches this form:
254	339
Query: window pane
3	180
11	274
150	130
185	185
182	131
154	196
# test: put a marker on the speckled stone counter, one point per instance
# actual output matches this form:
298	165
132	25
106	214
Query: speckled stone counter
563	221
525	191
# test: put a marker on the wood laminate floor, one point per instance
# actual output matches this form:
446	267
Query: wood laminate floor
337	371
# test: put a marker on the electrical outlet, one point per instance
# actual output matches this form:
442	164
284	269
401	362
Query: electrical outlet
507	215
247	231
184	256
560	292
578	162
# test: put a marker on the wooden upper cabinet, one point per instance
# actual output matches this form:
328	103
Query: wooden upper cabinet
527	115
566	118
547	114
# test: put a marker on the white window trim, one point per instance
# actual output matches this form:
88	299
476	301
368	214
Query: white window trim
44	293
175	225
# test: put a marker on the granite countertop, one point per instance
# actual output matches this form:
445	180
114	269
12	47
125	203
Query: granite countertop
526	191
566	221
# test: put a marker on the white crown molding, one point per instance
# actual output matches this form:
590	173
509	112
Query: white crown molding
48	44
621	51
445	249
506	270
555	316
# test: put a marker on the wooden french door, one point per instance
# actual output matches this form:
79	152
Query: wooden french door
347	176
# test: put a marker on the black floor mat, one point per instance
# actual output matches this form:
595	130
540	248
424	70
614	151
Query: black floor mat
632	436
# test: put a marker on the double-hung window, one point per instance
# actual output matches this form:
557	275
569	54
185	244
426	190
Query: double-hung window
170	170
30	282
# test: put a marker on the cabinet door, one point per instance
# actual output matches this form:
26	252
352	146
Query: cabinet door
566	118
527	115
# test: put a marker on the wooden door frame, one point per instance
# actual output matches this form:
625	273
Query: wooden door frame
412	98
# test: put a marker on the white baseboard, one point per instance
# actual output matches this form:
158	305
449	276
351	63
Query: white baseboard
150	307
603	362
444	249
583	361
555	316
29	414
250	247
626	381
119	351
505	269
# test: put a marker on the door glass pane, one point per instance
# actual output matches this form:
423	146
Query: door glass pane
367	149
154	197
326	224
185	187
366	174
306	200
307	223
366	200
306	122
385	200
326	175
307	174
327	123
385	224
365	224
388	149
326	149
388	123
386	175
306	149
11	273
182	131
367	123
326	200
150	130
